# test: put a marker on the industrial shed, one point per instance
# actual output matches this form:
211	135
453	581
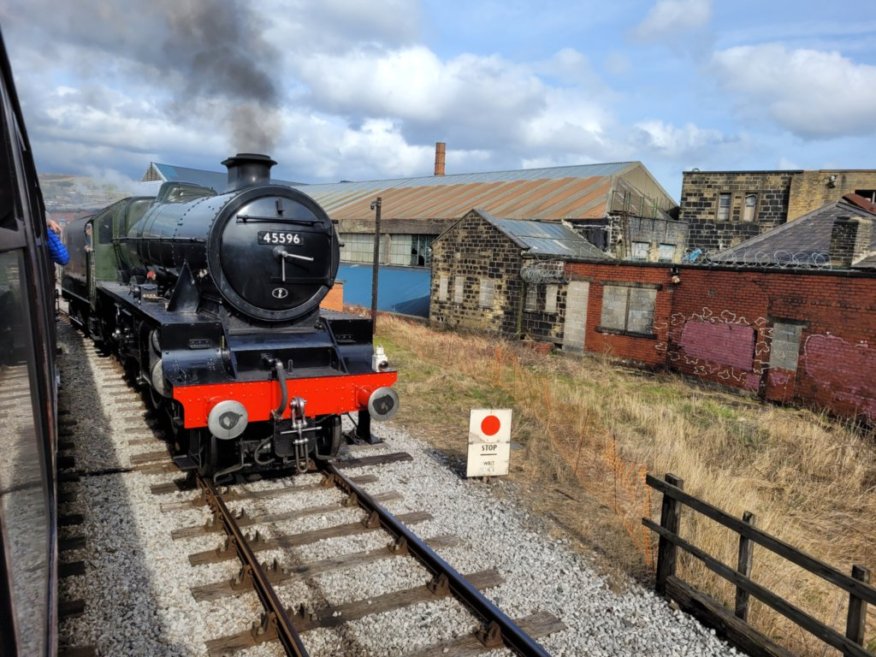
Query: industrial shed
618	204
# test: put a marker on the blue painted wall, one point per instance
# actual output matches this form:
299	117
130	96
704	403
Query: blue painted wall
399	289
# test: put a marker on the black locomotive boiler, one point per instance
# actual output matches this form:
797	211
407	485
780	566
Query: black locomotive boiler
213	303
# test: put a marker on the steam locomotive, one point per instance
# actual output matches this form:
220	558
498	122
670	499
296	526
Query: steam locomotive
212	302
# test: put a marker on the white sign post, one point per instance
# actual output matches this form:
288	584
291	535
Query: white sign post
489	442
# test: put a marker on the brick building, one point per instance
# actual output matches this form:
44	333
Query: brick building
804	336
505	276
725	208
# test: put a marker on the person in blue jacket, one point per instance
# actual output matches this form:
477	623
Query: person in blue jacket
57	250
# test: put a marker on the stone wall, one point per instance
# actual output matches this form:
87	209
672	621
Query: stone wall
812	189
700	195
471	255
545	322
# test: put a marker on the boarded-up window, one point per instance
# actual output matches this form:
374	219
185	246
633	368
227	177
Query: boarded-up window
628	308
443	284
487	292
550	298
531	302
666	252
721	343
458	288
640	313
750	207
785	345
640	250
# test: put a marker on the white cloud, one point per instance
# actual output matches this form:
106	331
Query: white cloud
811	93
675	142
668	18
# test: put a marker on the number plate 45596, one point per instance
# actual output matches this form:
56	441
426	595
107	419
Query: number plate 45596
278	237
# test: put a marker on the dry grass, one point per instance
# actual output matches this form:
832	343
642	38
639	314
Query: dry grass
589	430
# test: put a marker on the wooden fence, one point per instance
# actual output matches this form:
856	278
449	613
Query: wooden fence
733	625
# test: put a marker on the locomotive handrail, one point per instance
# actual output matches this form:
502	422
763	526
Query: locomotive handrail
255	219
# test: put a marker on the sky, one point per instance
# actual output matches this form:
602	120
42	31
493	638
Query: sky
361	90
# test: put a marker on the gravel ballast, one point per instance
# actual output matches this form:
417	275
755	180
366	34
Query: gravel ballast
137	582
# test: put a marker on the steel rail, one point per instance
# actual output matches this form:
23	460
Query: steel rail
498	626
275	613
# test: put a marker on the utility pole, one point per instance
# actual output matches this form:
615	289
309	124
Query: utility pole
376	205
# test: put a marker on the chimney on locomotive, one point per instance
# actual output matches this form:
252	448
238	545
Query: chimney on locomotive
245	169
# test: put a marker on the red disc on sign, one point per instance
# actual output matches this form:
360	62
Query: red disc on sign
490	425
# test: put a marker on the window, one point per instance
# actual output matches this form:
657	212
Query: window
629	309
750	207
666	252
640	250
458	288
723	207
357	247
785	345
400	250
421	250
410	250
869	194
550	298
531	302
443	284
487	292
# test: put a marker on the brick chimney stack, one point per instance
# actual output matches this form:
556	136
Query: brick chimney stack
440	148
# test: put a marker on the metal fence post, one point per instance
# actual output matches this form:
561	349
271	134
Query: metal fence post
746	550
670	514
857	617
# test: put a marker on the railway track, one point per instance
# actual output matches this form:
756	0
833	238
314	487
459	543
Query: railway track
246	522
145	568
284	622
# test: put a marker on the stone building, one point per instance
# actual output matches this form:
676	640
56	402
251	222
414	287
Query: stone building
505	276
811	190
725	208
644	239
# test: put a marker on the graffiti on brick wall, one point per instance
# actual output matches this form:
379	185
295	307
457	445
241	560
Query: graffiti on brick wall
725	345
842	369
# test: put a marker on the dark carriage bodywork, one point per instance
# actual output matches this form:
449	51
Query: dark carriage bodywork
28	397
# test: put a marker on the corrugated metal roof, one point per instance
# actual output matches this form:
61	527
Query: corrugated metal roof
550	193
546	239
575	192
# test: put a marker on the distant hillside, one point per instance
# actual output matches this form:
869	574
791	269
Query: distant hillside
64	192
